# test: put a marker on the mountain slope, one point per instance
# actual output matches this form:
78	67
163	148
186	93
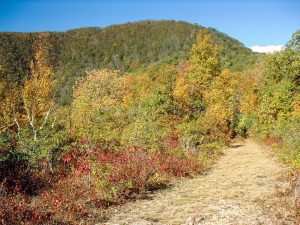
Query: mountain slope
127	47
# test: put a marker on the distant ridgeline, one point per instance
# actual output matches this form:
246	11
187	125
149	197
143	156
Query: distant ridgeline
128	47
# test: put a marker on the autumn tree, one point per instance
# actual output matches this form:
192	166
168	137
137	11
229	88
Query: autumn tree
97	109
279	87
35	119
110	109
192	85
204	62
151	112
148	125
204	66
222	105
276	111
9	101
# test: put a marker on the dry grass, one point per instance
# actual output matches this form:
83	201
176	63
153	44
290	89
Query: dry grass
242	188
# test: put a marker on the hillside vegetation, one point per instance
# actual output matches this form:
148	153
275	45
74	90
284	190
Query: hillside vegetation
127	48
128	131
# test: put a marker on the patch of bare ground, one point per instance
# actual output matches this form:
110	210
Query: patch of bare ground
243	187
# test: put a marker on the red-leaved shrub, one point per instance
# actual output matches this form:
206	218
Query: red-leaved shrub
18	209
85	182
123	173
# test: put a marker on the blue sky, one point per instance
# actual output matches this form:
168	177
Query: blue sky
252	22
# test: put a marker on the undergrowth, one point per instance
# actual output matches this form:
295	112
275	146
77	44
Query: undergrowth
86	181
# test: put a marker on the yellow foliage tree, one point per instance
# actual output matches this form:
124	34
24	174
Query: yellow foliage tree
247	85
151	111
35	120
222	104
37	93
181	90
204	62
97	106
9	101
296	107
204	66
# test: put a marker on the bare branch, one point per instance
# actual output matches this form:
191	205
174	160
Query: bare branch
46	118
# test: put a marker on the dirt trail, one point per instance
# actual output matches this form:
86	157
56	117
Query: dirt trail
239	189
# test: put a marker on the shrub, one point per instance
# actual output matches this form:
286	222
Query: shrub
191	133
120	175
16	175
97	179
289	132
5	146
244	125
17	209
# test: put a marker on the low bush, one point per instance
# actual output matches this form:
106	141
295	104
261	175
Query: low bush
285	135
86	181
16	175
17	209
121	174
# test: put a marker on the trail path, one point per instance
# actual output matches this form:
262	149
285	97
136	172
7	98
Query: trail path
239	189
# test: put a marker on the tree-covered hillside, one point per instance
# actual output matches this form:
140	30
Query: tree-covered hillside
127	47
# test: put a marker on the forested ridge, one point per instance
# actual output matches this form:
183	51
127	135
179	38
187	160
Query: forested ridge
127	48
159	107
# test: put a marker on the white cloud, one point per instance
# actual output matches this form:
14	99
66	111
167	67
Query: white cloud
267	48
